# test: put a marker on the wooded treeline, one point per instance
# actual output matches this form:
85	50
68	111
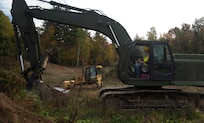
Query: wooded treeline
77	46
187	39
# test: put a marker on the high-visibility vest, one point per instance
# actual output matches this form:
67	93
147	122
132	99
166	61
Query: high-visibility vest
146	59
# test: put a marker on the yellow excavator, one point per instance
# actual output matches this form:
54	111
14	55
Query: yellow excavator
90	75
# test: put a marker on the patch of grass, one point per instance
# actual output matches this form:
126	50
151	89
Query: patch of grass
187	115
32	102
91	110
11	82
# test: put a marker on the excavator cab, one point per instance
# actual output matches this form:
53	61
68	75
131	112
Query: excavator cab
93	74
159	66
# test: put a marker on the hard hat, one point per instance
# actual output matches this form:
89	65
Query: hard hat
146	48
99	66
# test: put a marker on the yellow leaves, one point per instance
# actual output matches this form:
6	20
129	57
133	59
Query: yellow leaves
6	29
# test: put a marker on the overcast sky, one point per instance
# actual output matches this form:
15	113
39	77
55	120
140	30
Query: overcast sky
137	16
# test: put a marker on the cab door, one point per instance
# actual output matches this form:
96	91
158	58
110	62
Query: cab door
163	63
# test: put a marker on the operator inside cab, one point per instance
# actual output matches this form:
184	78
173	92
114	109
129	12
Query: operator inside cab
141	65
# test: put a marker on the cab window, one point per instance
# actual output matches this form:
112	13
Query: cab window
161	53
163	65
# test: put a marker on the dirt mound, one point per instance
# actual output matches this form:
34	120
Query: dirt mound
10	112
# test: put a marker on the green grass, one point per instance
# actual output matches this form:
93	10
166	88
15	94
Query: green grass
82	108
90	110
83	105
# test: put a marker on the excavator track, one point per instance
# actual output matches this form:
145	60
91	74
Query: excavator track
142	99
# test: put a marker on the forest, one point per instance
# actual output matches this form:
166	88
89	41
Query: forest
78	46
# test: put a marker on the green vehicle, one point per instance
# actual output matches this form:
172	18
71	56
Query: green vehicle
145	90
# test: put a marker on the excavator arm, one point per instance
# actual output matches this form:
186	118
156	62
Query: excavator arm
25	27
